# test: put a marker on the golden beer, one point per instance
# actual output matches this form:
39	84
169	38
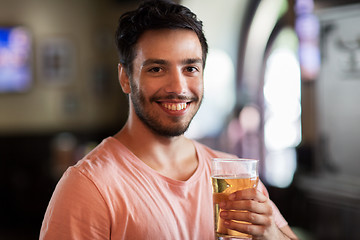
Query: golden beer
223	186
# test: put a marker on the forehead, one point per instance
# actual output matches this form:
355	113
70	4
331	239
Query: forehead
168	44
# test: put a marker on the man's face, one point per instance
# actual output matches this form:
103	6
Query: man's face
167	80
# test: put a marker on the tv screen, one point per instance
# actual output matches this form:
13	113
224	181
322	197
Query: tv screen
15	59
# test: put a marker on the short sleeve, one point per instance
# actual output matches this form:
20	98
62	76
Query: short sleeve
76	210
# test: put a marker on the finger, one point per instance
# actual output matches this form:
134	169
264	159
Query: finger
254	230
248	205
250	217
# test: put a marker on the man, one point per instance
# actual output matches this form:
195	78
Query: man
149	181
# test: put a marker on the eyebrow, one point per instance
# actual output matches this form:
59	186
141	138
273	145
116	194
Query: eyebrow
154	61
165	62
192	61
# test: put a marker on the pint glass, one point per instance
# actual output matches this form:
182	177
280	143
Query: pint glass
228	176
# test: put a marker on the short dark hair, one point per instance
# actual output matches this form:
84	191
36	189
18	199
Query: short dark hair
154	14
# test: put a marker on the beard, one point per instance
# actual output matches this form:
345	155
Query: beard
176	127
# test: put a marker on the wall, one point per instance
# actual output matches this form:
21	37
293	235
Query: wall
338	89
90	96
87	102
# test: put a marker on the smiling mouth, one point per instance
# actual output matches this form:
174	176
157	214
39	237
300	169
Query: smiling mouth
174	106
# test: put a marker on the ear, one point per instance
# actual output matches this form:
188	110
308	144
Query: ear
123	79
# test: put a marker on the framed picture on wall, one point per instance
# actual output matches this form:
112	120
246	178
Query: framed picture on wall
57	61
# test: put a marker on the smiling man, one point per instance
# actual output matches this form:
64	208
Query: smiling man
149	181
166	85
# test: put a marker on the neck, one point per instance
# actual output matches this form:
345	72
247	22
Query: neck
174	157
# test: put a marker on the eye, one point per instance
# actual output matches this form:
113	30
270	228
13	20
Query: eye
191	69
155	69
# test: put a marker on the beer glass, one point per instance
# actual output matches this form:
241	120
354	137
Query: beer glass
228	176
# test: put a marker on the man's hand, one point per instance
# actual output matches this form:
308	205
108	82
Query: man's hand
252	206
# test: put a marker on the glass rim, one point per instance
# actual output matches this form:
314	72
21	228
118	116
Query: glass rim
229	159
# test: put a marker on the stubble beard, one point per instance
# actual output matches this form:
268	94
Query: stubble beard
152	121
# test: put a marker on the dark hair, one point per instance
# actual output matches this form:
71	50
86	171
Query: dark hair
154	14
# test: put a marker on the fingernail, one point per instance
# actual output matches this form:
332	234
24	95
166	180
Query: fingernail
223	214
232	196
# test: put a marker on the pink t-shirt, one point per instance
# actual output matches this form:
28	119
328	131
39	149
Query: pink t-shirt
111	194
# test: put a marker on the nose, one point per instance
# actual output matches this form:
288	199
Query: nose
177	83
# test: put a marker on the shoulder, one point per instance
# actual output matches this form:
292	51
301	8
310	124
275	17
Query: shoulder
97	170
209	152
104	157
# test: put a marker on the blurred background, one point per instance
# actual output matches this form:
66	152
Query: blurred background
281	85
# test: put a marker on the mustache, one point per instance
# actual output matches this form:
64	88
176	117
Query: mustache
174	97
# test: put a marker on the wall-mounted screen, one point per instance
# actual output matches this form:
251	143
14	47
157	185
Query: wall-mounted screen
15	59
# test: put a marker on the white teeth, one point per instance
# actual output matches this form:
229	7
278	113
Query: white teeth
174	106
